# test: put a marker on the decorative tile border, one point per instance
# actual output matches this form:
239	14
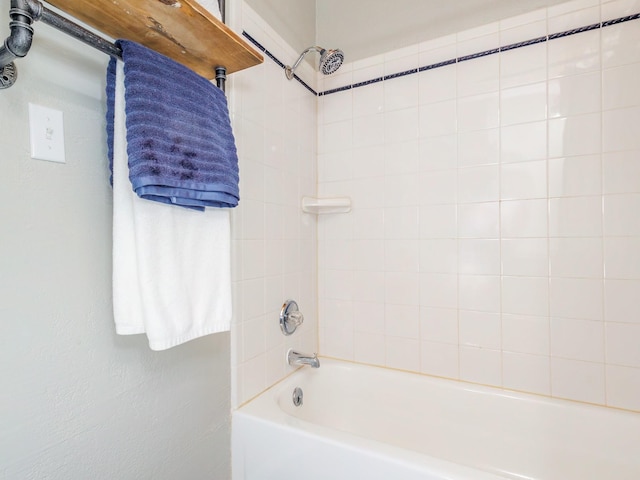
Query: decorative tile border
464	58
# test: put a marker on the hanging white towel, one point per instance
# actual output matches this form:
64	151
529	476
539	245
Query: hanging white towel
171	265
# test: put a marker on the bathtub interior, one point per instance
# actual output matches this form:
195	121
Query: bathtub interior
508	434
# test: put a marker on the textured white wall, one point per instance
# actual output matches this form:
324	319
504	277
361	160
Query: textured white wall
77	401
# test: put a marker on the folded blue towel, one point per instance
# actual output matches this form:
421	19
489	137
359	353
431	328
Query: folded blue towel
180	144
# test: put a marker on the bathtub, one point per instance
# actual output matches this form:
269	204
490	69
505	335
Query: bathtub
361	422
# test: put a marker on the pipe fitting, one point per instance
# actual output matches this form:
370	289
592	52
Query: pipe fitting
22	13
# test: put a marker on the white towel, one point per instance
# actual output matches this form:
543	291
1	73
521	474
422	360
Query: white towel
171	265
212	6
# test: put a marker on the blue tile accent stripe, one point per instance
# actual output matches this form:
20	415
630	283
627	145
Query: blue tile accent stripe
278	62
451	61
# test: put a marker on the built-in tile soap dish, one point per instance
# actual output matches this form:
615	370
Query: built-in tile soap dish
326	205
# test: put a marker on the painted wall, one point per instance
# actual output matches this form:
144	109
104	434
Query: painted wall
77	401
274	243
494	235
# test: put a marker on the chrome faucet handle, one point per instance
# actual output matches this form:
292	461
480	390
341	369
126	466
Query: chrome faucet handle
290	317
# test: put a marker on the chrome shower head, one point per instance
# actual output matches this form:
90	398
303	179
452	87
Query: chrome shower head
330	61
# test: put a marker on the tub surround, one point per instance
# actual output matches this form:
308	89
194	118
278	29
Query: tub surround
493	231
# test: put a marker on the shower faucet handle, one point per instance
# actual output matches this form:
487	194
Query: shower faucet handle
290	317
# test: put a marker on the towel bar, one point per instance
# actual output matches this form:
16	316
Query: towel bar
24	13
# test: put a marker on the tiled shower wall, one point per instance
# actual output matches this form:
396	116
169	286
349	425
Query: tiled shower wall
274	244
495	230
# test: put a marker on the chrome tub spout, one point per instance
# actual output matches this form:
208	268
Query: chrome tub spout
296	358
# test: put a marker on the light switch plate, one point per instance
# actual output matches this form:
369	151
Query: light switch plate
46	127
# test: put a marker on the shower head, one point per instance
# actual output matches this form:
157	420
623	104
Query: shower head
330	61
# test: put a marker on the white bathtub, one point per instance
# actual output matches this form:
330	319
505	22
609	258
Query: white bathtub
360	422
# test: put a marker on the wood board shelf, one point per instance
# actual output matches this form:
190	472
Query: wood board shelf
180	29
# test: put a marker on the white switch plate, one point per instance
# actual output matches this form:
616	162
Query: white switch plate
46	127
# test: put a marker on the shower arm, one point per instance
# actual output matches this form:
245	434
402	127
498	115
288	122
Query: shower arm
289	70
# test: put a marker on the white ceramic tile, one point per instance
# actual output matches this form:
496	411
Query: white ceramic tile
439	359
523	218
621	301
478	112
438	221
336	107
621	171
577	339
616	134
481	147
622	257
437	84
368	162
479	257
569	7
480	329
514	31
523	180
619	8
402	353
439	325
525	334
523	104
437	119
368	286
618	87
369	348
479	220
525	257
522	66
402	321
401	190
335	166
366	131
579	135
576	257
253	377
402	92
401	59
439	153
575	19
527	373
579	298
401	158
338	284
253	338
438	290
479	292
575	217
401	223
368	223
623	387
439	256
622	214
338	343
519	143
401	255
574	54
620	44
479	184
369	317
578	380
438	50
253	259
481	365
367	254
525	295
575	176
368	100
438	187
478	76
622	344
402	288
365	193
401	125
575	95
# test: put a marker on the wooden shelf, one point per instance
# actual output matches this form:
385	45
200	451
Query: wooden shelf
180	29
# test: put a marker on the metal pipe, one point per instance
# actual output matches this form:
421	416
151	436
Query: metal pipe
66	26
23	13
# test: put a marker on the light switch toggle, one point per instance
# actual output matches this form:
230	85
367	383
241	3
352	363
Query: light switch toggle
46	127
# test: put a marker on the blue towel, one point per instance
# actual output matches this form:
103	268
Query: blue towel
181	147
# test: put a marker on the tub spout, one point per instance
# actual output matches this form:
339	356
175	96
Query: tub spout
297	358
